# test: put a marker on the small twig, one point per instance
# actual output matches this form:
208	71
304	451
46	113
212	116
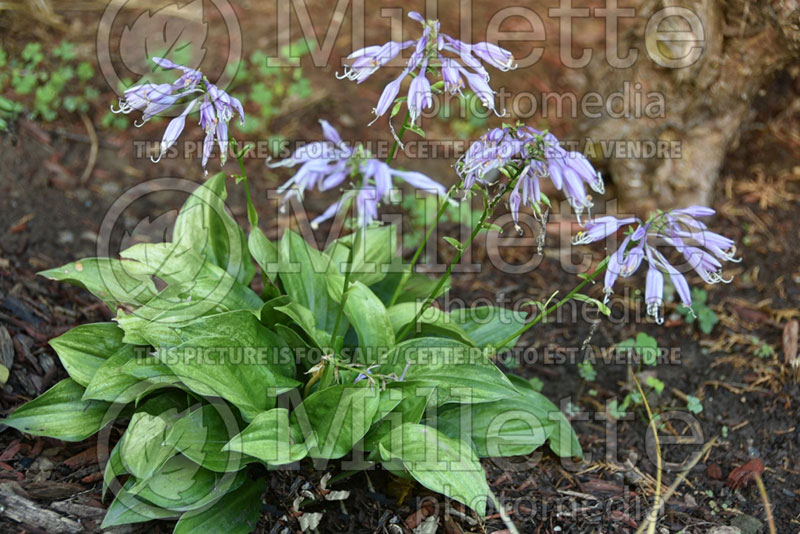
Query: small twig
767	507
680	394
657	500
512	528
674	486
81	138
743	25
87	172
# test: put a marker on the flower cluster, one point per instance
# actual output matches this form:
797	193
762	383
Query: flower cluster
532	154
678	229
216	108
327	164
462	68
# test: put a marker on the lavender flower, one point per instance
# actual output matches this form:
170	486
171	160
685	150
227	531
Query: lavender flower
327	164
534	155
678	229
461	68
216	109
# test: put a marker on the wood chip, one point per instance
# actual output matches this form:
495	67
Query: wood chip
27	512
714	472
84	458
51	491
78	510
6	348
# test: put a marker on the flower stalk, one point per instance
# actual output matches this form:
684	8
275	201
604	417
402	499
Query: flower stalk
488	209
252	214
414	259
539	318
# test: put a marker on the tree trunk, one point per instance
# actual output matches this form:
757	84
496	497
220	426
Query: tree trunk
746	43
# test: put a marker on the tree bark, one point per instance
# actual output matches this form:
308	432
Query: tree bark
746	43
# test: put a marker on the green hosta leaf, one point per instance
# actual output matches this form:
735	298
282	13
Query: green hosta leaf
303	274
217	366
304	355
432	321
167	401
60	413
115	282
562	440
182	485
401	402
268	438
235	513
155	323
303	318
489	325
111	384
368	316
509	427
256	344
284	384
114	468
205	225
158	329
390	398
334	419
372	254
171	309
243	329
438	462
168	406
127	508
460	372
143	449
171	262
85	348
204	283
270	315
417	288
265	252
202	434
150	371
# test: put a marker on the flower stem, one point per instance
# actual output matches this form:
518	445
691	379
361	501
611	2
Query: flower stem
407	272
588	279
489	206
347	272
410	269
359	233
397	139
252	214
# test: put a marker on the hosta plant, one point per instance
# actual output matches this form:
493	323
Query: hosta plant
337	353
207	377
